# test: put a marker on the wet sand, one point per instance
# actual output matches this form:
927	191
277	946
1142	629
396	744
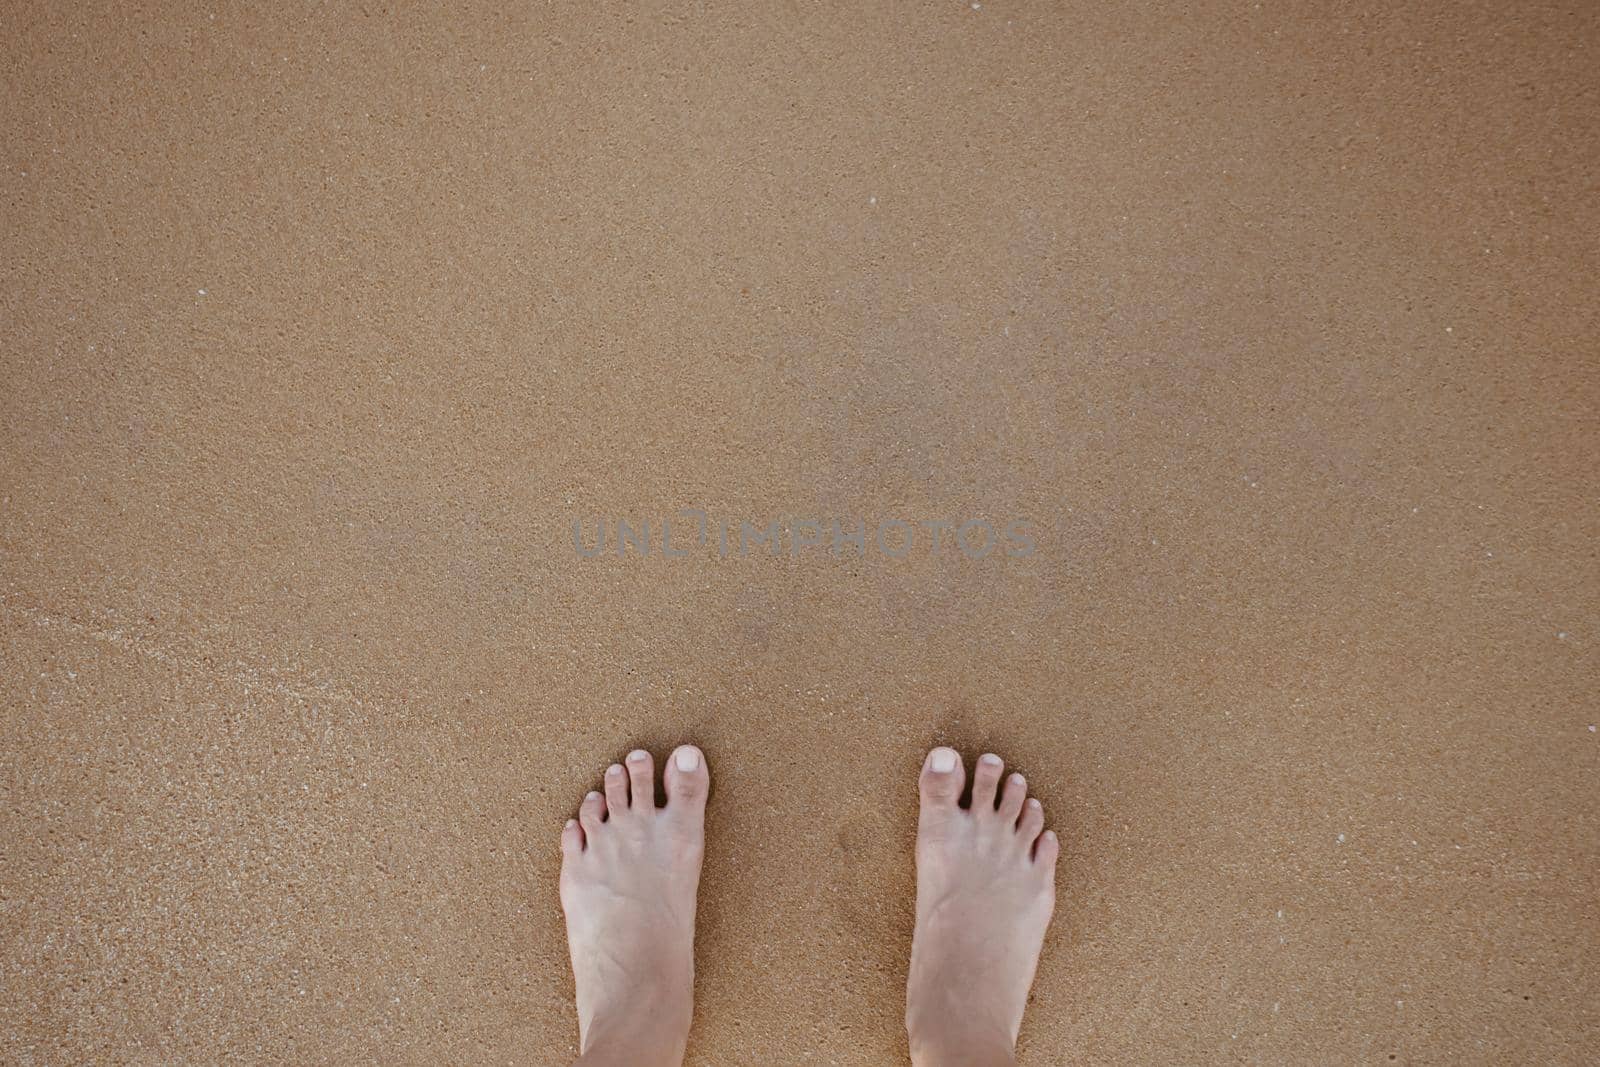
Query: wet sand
324	325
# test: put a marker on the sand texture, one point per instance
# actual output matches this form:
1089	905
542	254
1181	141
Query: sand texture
1275	323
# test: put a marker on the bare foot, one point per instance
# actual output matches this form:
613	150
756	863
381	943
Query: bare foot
986	885
629	874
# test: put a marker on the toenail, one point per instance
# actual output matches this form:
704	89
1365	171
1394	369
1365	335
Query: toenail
1032	803
687	759
614	770
990	758
1017	779
571	823
944	760
592	795
638	755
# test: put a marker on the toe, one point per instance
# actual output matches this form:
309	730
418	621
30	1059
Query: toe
688	780
1047	851
616	790
1015	792
571	838
1032	822
942	778
591	813
642	780
985	778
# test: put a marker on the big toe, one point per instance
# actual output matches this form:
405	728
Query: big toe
942	779
688	781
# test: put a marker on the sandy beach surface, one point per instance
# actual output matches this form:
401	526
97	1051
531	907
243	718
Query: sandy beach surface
1269	330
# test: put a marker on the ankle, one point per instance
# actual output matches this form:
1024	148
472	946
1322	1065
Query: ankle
952	1046
631	1050
652	1032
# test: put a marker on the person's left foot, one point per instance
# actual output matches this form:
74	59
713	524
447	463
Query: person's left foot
629	875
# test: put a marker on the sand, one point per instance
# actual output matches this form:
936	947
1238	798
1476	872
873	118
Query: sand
324	324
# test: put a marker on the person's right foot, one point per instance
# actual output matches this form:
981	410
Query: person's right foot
985	891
